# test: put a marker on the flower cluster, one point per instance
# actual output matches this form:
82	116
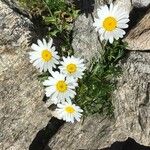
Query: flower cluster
64	72
62	83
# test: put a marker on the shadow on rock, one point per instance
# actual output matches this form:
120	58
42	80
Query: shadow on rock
129	144
85	6
40	142
136	15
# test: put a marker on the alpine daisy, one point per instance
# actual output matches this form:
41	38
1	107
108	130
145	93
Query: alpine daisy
68	112
111	21
44	57
59	87
72	67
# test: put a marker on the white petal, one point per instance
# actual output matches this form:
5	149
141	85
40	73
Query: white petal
122	32
111	7
111	39
45	66
44	43
40	43
122	25
50	90
50	43
123	21
33	56
35	47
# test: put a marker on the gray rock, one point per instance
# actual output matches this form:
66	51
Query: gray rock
129	4
89	134
138	38
131	99
132	112
81	41
84	33
140	3
22	113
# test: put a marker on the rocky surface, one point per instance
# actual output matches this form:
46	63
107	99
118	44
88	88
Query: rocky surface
131	99
22	113
89	134
82	42
132	112
140	3
138	38
84	33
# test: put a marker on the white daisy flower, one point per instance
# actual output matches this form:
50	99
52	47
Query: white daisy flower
68	112
59	87
72	67
44	57
111	21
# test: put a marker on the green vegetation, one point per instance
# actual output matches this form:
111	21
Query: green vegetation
58	16
94	94
98	83
35	7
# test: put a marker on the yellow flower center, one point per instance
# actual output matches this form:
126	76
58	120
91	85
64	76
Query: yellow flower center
71	68
110	23
69	109
61	86
46	55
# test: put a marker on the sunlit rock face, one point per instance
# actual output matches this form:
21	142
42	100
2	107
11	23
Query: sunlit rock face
130	99
22	113
141	3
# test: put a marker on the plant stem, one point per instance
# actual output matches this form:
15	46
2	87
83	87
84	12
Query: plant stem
48	8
